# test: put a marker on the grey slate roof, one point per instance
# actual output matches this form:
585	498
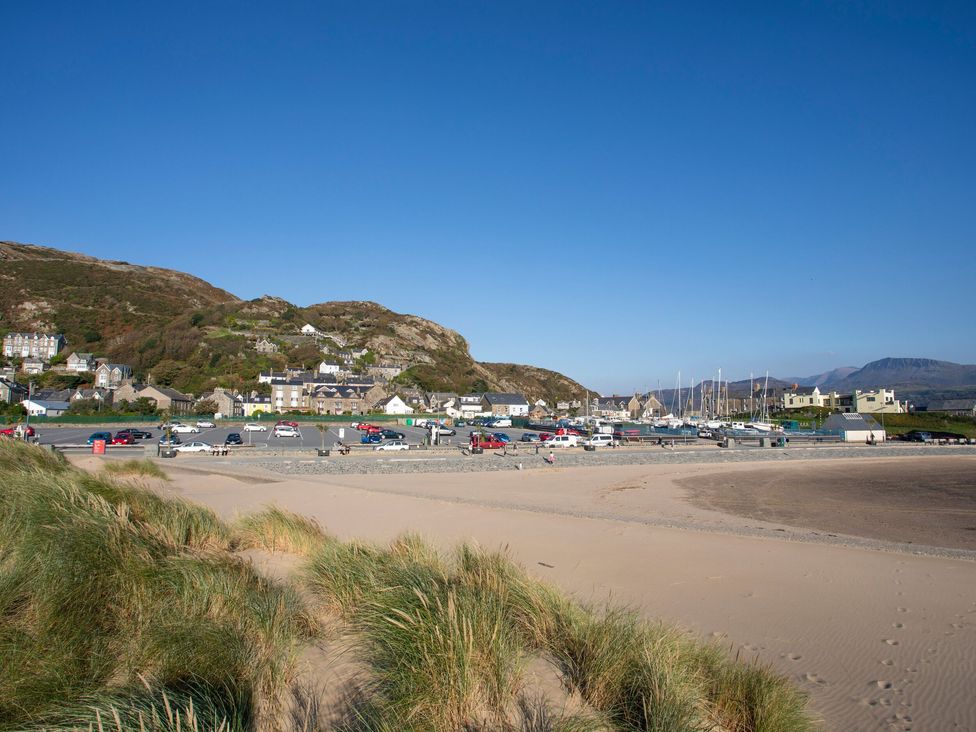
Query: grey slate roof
851	422
504	398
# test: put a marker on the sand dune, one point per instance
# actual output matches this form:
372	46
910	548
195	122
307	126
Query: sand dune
880	638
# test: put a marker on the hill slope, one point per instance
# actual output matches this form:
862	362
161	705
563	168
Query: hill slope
193	336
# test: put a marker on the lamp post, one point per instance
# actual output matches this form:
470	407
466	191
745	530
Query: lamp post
30	393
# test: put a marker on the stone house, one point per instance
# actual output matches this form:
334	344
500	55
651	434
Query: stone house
44	346
504	404
11	392
112	375
80	362
264	345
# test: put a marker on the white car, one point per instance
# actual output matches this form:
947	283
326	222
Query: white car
184	429
599	440
194	447
204	424
283	430
393	445
251	427
563	441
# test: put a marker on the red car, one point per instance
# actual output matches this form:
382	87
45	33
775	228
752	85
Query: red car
286	423
569	431
544	436
486	442
11	431
123	438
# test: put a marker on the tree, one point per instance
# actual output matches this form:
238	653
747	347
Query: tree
207	406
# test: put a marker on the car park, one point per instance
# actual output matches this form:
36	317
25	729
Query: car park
392	435
501	437
195	447
234	438
529	437
136	434
545	436
393	445
445	431
371	438
107	436
283	430
169	425
286	423
206	424
184	429
251	427
169	441
485	442
123	438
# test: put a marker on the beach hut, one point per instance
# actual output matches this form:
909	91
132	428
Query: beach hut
855	427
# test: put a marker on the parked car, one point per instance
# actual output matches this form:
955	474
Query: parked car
599	440
563	441
393	445
284	430
123	438
185	429
445	431
286	423
12	431
169	425
486	442
195	447
370	438
165	441
136	434
501	437
107	436
362	426
529	437
251	427
392	435
501	422
234	438
205	424
545	436
918	436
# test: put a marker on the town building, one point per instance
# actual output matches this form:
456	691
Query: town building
393	405
266	346
504	404
854	427
11	392
962	407
330	367
112	375
45	408
228	405
176	402
802	397
44	346
34	366
79	363
469	405
255	404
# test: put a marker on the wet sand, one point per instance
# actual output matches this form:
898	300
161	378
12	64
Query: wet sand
929	501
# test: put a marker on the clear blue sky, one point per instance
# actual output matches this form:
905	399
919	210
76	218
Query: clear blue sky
618	190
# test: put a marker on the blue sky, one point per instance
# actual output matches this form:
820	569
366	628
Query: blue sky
614	190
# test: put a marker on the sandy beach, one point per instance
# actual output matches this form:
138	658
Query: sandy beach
855	578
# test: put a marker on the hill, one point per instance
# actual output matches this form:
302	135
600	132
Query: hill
188	334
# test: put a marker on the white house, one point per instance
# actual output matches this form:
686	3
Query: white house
854	427
44	408
330	367
34	366
310	330
393	405
502	404
80	362
469	405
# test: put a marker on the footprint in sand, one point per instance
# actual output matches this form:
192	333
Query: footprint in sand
882	684
902	609
814	678
794	656
888	662
891	642
898	625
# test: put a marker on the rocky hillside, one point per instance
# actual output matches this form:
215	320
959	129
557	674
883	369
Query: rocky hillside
193	336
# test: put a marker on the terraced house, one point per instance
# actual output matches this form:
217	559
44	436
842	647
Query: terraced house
44	346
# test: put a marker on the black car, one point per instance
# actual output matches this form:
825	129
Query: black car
391	435
234	438
136	434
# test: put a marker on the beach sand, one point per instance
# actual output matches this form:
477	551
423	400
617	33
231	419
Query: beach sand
880	638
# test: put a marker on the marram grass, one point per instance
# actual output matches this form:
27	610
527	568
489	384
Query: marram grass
143	468
277	530
106	589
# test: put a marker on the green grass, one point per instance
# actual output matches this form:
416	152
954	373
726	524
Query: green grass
106	590
899	424
277	530
447	640
144	468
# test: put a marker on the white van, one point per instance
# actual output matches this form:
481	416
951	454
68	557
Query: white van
501	422
600	440
563	441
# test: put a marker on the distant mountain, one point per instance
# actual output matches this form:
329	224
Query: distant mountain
194	336
915	373
827	377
